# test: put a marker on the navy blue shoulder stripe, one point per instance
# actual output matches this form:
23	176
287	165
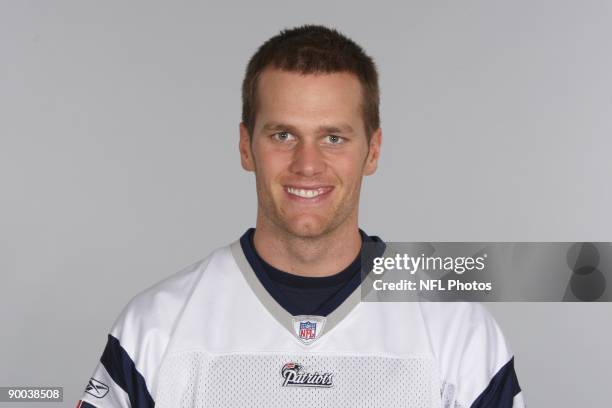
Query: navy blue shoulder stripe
501	389
85	404
123	372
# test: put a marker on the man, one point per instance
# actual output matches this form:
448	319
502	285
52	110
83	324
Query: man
275	319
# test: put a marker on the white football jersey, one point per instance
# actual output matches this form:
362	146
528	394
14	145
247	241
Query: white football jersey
212	336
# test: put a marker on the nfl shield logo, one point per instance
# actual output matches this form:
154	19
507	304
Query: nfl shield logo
308	330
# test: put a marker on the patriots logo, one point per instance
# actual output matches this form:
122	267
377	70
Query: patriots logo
294	375
96	388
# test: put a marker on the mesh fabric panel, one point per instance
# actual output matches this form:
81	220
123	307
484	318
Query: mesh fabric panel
195	379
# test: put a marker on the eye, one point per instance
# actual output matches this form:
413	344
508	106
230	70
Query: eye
335	139
283	136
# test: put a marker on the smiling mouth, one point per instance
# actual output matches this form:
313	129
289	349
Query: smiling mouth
308	193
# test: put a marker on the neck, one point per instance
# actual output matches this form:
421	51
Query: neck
319	256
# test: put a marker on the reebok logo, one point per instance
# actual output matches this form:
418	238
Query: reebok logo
96	388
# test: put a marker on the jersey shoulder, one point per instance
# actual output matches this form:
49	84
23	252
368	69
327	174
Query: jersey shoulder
126	374
474	357
156	309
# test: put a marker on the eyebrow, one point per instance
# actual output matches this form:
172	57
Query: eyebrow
346	128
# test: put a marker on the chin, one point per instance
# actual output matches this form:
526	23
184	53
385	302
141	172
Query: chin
308	228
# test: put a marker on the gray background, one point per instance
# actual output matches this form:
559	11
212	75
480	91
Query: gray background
119	162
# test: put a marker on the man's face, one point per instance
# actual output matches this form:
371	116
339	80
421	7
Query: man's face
309	151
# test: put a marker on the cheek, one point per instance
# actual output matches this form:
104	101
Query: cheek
349	168
270	168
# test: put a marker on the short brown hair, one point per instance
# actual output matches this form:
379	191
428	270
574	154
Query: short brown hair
310	49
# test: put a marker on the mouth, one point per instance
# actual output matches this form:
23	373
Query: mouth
308	193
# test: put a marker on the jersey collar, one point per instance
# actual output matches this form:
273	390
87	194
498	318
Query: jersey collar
306	328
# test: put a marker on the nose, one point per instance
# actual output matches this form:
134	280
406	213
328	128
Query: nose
308	159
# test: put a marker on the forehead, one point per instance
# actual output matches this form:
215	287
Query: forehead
308	99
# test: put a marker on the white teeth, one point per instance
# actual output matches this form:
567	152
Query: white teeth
304	193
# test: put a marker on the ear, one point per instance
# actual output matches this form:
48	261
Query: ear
374	153
246	155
